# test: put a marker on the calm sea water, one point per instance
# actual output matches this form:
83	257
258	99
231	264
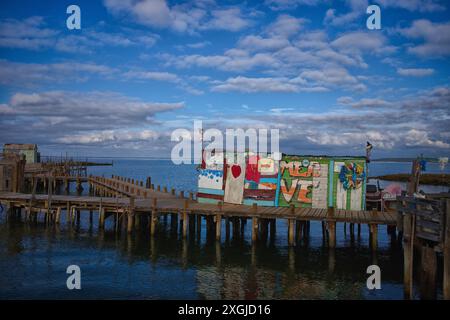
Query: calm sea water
34	258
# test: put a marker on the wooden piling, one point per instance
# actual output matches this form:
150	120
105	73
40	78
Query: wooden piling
154	217
218	226
101	220
227	228
130	221
373	236
428	273
254	223
332	234
273	229
298	230
185	218
408	244
291	233
446	253
58	215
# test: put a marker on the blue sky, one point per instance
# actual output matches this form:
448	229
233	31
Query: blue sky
138	69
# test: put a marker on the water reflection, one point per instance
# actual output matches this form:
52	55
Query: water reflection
119	265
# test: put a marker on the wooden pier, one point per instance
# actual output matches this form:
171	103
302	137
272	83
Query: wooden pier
126	199
133	206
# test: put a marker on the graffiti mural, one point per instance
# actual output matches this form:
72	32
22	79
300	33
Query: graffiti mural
349	184
303	181
210	186
261	181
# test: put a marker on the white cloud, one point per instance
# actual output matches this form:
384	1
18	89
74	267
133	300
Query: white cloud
285	26
435	36
413	5
415	72
357	9
414	138
362	41
79	117
290	4
152	75
245	84
32	34
187	17
33	74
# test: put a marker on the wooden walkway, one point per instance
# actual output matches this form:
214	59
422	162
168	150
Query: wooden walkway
132	200
167	203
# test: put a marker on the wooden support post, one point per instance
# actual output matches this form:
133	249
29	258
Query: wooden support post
154	217
254	229
199	225
291	232
218	226
148	183
182	194
130	221
137	221
273	229
185	218
58	215
91	217
299	230
324	231
408	256
165	189
332	234
227	228
291	226
172	191
373	236
255	223
428	273
446	253
101	219
330	212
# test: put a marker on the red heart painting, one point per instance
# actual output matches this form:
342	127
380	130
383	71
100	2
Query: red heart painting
236	170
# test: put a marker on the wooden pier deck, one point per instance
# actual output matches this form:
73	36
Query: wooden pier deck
128	201
167	203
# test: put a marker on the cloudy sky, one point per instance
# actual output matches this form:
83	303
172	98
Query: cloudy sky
139	69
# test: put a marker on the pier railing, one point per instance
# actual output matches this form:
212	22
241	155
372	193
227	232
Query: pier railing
426	234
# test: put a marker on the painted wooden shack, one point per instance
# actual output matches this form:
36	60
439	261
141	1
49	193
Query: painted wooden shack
302	181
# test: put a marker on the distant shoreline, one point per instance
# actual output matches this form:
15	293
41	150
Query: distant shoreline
404	160
434	179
